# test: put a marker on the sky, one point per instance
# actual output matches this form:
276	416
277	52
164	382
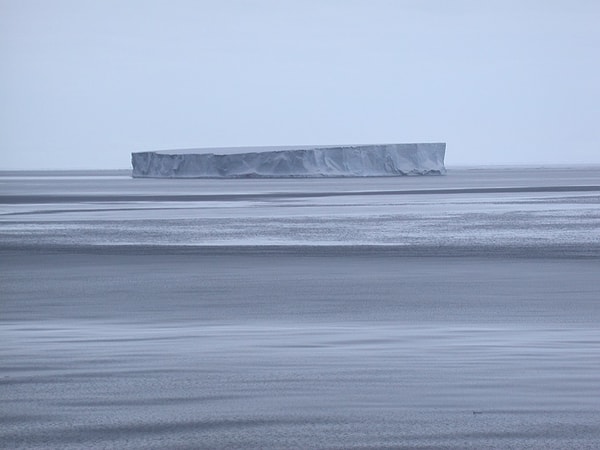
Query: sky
84	83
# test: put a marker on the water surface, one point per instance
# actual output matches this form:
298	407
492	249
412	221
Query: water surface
453	319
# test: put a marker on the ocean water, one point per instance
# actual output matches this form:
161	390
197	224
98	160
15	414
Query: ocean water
427	312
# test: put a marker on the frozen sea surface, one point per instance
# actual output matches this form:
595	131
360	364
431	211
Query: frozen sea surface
446	312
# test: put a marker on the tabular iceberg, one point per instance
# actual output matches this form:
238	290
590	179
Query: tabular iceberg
287	162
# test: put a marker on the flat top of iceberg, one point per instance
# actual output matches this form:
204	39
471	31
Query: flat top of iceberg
270	148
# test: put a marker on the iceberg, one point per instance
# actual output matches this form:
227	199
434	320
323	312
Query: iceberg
287	162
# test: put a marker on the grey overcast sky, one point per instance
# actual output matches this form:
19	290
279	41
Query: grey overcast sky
83	83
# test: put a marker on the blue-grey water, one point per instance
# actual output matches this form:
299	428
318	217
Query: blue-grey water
436	312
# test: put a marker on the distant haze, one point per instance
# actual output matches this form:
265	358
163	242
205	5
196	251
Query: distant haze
85	83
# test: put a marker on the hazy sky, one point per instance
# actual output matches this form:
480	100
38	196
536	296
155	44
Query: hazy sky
83	83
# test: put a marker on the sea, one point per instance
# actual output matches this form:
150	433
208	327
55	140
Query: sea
457	311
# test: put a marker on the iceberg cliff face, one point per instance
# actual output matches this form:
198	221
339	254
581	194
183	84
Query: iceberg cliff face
282	162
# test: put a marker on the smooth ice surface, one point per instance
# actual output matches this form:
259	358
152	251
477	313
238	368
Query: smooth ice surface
412	312
301	161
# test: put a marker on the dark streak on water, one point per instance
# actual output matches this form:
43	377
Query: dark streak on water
48	198
557	251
